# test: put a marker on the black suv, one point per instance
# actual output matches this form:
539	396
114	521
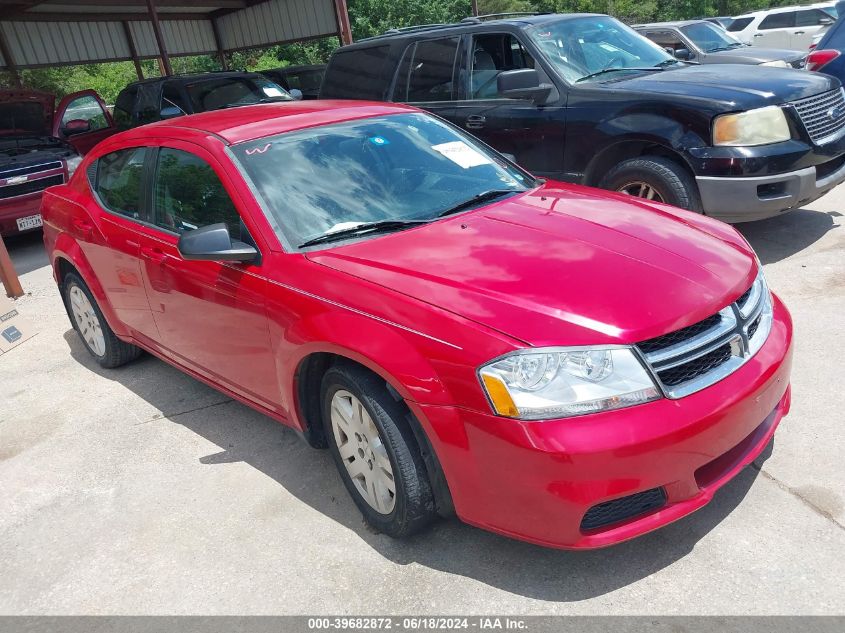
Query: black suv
161	98
586	99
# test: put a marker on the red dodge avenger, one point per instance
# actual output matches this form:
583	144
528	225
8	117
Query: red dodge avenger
554	363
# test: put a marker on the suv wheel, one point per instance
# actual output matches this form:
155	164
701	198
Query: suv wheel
375	452
654	178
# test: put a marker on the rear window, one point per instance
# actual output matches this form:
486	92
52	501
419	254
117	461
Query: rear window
228	92
357	74
739	24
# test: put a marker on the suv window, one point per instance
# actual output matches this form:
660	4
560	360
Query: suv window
783	20
213	94
86	108
491	55
812	17
739	24
118	181
189	195
171	96
122	112
357	74
427	71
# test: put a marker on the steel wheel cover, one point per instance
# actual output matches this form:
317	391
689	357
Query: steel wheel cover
640	189
87	321
363	452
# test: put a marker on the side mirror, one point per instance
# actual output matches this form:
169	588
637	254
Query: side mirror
826	21
76	126
213	243
683	54
523	83
170	112
296	93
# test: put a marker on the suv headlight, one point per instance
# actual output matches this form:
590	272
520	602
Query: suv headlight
557	382
754	127
72	163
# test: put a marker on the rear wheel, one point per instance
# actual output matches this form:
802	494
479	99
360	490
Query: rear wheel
657	179
87	319
375	451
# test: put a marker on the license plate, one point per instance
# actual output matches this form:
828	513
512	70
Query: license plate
29	222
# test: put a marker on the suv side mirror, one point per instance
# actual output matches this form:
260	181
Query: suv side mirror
683	54
296	93
76	126
213	243
523	83
826	21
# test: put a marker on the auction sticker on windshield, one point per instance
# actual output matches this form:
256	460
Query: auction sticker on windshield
29	222
462	154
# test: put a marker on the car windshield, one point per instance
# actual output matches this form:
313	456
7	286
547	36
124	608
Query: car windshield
582	47
22	118
400	168
229	92
710	38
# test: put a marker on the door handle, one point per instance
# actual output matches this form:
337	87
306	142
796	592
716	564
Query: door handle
476	121
154	255
758	35
799	32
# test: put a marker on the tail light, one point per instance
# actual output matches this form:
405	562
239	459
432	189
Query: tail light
818	59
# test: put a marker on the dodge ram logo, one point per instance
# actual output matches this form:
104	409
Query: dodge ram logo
16	180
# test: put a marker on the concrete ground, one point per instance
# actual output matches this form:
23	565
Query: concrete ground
142	491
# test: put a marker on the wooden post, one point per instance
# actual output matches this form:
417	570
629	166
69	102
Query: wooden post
162	49
221	54
132	51
10	61
8	275
475	7
344	29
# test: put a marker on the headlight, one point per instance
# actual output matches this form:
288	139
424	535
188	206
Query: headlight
755	127
557	382
778	63
72	163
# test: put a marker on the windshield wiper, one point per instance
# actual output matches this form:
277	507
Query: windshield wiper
618	70
667	62
484	196
362	229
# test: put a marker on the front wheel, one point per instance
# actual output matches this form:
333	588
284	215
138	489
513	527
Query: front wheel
657	179
375	452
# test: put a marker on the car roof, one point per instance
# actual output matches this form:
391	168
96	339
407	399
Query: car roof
467	25
246	123
794	7
676	23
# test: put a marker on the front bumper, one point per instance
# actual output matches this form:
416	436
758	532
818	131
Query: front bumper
19	207
755	198
536	481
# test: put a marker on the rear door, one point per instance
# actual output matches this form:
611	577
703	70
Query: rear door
775	31
427	76
808	22
83	120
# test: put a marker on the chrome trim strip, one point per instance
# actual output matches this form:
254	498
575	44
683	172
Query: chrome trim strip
727	324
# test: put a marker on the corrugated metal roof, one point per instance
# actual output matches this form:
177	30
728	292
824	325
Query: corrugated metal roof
277	21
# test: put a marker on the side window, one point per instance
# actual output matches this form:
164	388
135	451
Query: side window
123	108
491	55
88	109
783	20
666	39
739	24
813	17
172	97
118	181
189	195
357	74
430	69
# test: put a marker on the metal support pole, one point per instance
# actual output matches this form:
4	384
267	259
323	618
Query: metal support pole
162	49
10	61
132	51
8	275
221	54
344	29
475	7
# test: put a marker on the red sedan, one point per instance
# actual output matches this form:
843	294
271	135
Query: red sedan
555	363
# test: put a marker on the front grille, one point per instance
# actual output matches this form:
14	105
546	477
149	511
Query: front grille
618	510
31	186
11	172
822	115
699	355
695	368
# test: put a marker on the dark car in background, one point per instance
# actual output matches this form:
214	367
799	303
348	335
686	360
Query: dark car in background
703	42
585	99
162	98
829	54
305	79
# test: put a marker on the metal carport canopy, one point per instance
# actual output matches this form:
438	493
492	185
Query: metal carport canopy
45	33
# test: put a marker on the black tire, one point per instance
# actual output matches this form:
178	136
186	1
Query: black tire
414	506
672	182
116	352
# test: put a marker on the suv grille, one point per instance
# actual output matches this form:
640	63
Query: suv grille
31	186
32	169
610	512
699	355
823	115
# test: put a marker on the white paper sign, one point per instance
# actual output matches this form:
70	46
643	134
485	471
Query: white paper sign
270	91
462	154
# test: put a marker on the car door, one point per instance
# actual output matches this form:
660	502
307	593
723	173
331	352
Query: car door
427	75
83	120
211	315
110	237
775	31
533	134
808	22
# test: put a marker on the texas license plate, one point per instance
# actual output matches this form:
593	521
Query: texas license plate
29	222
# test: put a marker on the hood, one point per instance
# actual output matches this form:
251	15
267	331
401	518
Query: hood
730	84
753	55
562	266
26	113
